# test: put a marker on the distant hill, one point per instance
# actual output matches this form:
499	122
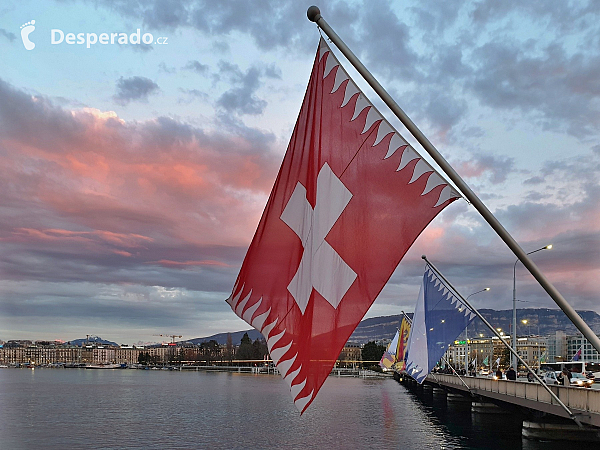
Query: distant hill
377	328
92	340
541	320
221	338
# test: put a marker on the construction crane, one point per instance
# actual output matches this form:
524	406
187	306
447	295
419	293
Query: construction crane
172	336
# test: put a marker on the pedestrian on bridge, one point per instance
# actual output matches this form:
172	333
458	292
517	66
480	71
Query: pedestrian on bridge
565	377
511	374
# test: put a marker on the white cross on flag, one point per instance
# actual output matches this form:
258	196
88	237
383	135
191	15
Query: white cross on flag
350	199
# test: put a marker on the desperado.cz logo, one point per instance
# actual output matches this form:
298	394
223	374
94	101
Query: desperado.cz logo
26	30
58	36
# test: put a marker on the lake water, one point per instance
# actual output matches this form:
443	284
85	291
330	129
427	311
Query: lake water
141	409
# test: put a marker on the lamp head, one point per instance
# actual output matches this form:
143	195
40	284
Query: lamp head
548	247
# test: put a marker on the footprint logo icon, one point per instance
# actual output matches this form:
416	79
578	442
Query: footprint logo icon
26	30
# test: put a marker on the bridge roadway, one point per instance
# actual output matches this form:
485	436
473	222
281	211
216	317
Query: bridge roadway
584	403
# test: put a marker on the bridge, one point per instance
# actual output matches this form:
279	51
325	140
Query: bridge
530	398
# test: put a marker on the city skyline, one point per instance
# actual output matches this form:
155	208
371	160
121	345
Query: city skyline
135	175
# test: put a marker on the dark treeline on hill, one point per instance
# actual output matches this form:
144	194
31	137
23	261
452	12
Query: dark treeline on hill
251	350
541	321
236	337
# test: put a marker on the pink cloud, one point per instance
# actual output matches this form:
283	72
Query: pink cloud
129	184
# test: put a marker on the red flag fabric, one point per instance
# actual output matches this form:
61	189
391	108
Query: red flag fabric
349	200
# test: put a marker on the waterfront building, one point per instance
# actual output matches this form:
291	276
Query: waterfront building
350	354
576	342
127	355
557	347
530	348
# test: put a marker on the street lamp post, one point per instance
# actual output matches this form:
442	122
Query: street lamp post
466	335
514	321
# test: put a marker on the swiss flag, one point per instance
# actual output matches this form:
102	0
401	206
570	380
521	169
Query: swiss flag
349	200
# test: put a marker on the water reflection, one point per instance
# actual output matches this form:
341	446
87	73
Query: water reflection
77	408
475	430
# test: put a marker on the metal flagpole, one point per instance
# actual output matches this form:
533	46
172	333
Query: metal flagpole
314	15
512	350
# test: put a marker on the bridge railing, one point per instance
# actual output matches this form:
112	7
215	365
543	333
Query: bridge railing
576	398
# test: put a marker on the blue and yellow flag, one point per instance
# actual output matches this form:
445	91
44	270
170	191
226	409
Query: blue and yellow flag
402	344
389	356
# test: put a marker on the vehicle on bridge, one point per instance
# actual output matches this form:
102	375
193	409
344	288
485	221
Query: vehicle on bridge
577	379
580	380
573	366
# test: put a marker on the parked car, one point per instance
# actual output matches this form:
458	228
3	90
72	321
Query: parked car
551	377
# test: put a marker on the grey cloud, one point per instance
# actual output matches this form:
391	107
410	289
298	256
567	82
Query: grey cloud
7	34
443	110
110	308
558	88
435	16
35	118
562	90
141	48
272	24
386	41
235	126
241	99
193	94
533	196
221	46
197	67
165	15
164	68
534	180
498	168
565	16
134	89
580	169
272	71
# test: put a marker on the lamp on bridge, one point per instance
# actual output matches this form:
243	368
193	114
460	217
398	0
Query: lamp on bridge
513	358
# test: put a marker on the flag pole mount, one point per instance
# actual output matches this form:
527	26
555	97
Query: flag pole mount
314	15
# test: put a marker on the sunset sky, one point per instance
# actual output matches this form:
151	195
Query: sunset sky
133	176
